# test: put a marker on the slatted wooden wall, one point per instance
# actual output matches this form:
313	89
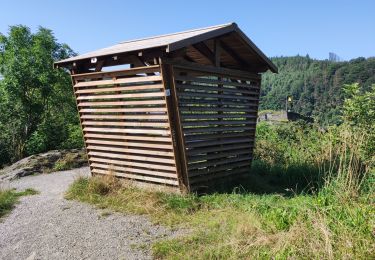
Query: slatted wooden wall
126	125
218	111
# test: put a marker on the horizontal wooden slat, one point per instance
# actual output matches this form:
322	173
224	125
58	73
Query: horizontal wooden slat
214	81
202	180
193	173
211	163
137	177
115	96
215	108
132	157
128	117
210	70
135	164
215	116
116	73
123	88
237	104
135	144
219	149
221	141
122	103
129	131
133	124
217	129
213	95
124	110
134	170
220	122
116	81
127	150
130	137
201	158
204	137
184	87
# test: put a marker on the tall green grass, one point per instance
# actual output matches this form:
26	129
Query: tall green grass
8	198
310	195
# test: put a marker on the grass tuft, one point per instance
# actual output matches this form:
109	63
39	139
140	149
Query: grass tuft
243	225
8	198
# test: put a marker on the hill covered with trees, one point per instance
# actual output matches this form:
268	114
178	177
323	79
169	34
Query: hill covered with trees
316	85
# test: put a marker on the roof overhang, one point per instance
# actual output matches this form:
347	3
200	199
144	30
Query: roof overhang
165	44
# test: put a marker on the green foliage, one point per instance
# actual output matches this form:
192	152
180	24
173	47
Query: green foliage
309	196
36	101
359	112
10	197
243	225
316	85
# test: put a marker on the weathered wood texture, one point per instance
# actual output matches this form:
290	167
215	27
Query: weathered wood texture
126	125
175	124
218	111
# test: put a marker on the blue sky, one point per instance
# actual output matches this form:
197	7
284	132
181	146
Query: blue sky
277	27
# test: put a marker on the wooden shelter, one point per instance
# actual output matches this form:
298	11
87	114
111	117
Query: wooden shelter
182	113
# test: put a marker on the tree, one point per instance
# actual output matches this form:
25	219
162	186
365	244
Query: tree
36	101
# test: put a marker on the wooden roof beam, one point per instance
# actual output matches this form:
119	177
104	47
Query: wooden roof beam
203	49
233	54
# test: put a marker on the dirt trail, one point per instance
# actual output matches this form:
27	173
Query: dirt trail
46	226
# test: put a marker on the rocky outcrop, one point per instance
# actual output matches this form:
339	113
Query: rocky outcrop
50	161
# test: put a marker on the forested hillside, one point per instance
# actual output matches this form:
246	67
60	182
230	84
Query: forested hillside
316	85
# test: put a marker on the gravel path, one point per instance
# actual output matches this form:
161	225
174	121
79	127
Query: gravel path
46	226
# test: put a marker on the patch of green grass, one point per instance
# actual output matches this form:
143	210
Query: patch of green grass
8	198
243	225
69	161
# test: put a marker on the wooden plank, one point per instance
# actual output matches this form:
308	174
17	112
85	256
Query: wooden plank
221	148
202	48
204	137
205	116
116	81
134	170
174	121
219	162
119	88
234	55
130	137
203	158
116	73
215	129
128	117
216	122
202	180
128	123
128	131
132	157
214	95
136	164
122	103
200	172
124	110
223	140
135	144
115	96
137	177
213	88
214	109
245	86
215	70
128	150
193	101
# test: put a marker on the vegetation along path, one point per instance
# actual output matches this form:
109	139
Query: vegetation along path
47	226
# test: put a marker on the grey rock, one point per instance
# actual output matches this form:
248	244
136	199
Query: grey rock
43	163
